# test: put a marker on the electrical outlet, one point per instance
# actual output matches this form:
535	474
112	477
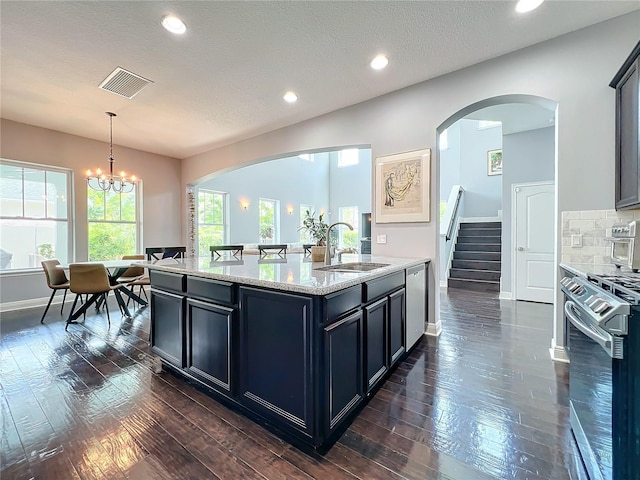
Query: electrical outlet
576	240
382	238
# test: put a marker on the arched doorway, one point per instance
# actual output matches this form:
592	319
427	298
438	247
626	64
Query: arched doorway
511	111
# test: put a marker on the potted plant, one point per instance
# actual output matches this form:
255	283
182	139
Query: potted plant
316	228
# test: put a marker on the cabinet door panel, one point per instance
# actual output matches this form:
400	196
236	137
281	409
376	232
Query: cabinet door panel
209	342
376	344
396	325
343	367
167	326
627	139
275	338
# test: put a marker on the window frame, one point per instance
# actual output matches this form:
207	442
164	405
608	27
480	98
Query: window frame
304	236
69	175
225	216
276	219
138	221
356	227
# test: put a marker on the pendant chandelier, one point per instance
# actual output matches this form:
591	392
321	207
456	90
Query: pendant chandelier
109	182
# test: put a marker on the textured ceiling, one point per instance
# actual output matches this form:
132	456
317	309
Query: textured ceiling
224	79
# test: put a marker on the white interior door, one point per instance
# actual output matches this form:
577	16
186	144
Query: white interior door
534	241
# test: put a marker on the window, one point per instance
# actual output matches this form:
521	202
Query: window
444	140
268	211
304	235
482	124
114	229
34	215
348	238
348	157
212	220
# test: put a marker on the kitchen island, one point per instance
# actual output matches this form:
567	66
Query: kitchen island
295	346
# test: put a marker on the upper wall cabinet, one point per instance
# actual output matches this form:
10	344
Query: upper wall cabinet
627	85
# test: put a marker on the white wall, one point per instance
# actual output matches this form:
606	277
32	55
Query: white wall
293	181
290	180
162	193
482	193
350	186
573	70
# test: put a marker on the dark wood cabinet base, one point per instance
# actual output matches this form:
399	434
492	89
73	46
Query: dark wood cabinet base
302	366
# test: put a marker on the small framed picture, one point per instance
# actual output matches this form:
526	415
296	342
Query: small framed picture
494	162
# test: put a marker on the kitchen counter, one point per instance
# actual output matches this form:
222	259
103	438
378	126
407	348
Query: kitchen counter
290	273
296	349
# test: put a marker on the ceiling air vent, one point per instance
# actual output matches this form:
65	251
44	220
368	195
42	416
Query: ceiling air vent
124	83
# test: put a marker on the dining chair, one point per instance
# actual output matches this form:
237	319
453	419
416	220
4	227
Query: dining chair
91	279
56	280
135	276
158	253
235	250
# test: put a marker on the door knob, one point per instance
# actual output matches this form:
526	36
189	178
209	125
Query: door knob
521	249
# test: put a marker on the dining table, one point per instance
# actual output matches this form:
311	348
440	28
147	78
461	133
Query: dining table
115	269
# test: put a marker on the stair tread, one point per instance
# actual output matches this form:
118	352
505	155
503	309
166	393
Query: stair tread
474	270
474	280
474	260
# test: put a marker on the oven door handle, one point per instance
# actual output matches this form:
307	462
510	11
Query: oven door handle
611	344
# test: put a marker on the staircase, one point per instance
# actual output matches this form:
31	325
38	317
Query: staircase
476	258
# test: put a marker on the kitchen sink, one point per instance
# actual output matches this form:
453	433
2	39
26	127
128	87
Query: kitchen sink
352	267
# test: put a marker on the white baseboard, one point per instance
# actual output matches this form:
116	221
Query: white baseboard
506	296
31	303
434	329
38	302
558	354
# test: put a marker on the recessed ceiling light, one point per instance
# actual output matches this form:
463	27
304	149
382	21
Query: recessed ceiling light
379	62
524	6
174	25
290	97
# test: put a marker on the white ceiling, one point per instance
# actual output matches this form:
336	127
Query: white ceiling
224	79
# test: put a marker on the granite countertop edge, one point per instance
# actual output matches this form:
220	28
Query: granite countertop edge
332	281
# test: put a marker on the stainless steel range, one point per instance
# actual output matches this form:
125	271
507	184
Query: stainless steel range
604	383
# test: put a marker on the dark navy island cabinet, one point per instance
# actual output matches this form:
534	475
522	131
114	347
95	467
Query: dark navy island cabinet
301	365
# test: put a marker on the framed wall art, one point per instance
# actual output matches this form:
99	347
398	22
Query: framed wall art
494	162
402	187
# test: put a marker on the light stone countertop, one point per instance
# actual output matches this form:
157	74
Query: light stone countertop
293	272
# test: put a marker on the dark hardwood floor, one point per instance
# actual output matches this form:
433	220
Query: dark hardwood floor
482	401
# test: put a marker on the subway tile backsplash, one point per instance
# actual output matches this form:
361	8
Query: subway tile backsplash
593	226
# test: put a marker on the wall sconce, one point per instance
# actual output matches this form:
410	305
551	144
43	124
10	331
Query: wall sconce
289	209
244	204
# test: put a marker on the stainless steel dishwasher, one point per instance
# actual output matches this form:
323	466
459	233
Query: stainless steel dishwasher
416	291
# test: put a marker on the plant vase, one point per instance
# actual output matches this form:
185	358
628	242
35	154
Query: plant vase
317	253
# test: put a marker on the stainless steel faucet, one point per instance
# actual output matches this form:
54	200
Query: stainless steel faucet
327	251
